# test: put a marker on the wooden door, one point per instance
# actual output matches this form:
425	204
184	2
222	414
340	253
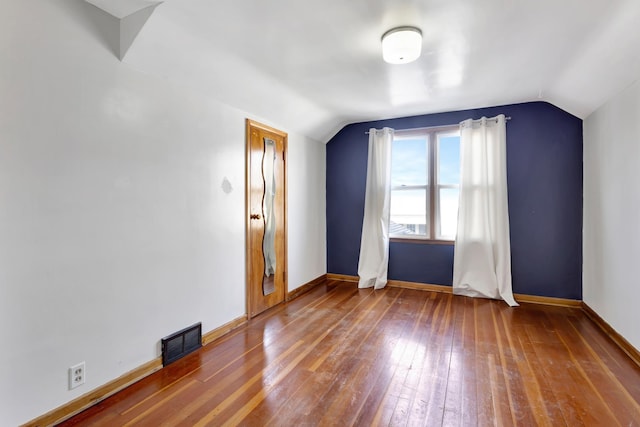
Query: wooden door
266	217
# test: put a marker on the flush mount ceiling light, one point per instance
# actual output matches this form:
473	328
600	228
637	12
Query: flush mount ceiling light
401	45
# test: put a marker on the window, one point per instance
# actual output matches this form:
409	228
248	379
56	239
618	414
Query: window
425	180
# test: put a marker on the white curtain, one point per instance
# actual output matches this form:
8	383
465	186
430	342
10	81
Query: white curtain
374	244
482	256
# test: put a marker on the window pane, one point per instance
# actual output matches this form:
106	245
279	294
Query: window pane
449	159
448	200
409	162
408	212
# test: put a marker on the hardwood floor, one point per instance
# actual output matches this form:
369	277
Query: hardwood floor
339	356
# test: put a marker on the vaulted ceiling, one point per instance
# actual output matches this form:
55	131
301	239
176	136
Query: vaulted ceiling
315	66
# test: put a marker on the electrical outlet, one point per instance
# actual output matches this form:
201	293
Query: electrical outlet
76	375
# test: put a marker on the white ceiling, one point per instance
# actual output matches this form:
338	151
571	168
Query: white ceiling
315	66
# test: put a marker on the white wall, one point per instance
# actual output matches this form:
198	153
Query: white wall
306	186
115	229
611	267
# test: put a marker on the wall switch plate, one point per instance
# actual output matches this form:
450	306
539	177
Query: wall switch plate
76	375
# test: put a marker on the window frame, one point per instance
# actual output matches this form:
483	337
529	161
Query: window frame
433	185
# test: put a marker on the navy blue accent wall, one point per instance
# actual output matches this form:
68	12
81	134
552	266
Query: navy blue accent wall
544	173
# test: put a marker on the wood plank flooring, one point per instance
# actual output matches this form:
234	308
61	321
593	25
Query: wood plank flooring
339	356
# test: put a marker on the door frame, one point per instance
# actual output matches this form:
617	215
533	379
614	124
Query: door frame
248	249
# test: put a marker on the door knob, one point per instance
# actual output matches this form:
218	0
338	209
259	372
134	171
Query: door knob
254	216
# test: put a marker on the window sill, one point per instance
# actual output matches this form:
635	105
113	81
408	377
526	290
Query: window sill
421	241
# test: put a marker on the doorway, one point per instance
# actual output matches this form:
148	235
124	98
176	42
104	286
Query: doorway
266	222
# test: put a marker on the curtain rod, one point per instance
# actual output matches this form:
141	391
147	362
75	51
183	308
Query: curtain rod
440	126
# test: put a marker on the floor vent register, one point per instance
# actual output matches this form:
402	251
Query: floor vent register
181	343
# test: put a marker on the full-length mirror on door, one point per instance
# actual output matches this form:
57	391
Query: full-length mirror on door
269	215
